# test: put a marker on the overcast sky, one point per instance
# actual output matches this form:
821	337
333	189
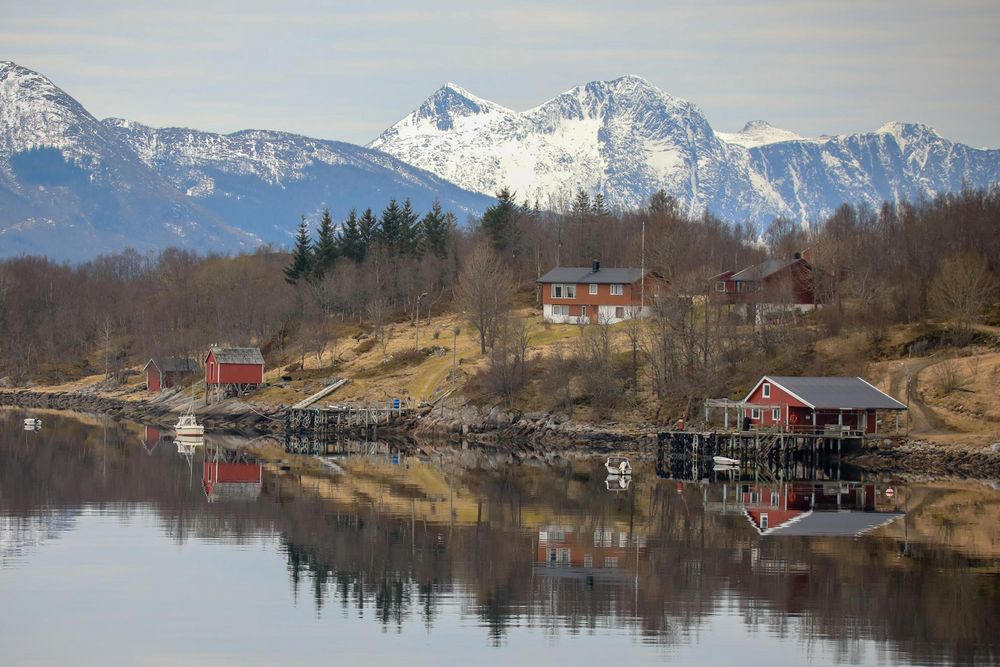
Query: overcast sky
349	70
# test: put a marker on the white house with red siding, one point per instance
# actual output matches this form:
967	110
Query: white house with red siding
817	404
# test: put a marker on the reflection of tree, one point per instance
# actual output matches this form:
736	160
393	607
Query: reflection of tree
403	569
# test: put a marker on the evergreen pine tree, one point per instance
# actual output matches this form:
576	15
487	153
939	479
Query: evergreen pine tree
349	240
369	231
302	256
392	234
500	220
325	250
411	241
436	229
581	206
597	207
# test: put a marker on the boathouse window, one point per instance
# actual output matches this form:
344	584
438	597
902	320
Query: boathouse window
765	390
720	286
774	499
617	290
755	413
593	288
763	522
776	414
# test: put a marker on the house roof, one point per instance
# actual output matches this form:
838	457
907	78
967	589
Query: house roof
764	269
845	524
174	364
584	274
237	355
837	393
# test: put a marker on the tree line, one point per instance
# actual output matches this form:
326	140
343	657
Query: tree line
905	262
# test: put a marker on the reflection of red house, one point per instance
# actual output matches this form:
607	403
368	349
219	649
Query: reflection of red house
560	546
151	439
815	508
817	404
231	481
165	372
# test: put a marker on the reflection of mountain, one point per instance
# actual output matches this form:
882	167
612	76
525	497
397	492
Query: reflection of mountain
400	543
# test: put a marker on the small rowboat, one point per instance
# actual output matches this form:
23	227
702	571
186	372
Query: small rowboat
618	465
32	424
725	461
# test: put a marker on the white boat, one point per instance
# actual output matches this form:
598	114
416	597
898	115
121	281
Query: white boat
187	425
725	461
32	424
618	465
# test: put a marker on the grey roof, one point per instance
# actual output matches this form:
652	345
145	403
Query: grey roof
175	364
841	393
846	524
238	355
763	270
583	274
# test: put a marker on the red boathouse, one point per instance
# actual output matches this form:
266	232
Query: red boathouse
234	369
165	372
817	405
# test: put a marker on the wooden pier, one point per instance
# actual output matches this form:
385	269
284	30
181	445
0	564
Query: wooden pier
688	452
348	416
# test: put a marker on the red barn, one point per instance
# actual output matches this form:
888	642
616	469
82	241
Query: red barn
580	295
236	368
165	372
817	404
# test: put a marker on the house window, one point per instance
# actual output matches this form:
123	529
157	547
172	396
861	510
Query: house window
774	499
563	291
588	560
617	290
720	286
765	391
620	312
593	288
560	311
776	414
611	561
755	413
763	522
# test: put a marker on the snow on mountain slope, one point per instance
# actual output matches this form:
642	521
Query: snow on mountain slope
70	189
758	133
265	179
626	139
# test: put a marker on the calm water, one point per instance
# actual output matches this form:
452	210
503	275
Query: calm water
117	550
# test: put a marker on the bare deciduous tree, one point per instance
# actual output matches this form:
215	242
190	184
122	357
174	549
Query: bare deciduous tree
484	289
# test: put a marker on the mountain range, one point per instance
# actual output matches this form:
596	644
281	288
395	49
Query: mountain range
72	186
626	139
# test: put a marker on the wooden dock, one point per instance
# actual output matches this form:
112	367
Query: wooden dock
348	416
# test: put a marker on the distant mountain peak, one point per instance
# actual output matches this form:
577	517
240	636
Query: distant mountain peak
758	133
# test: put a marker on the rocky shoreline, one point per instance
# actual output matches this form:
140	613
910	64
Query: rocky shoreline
527	435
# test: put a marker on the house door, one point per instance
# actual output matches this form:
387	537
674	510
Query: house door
583	314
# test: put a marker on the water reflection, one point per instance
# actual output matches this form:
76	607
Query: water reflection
455	541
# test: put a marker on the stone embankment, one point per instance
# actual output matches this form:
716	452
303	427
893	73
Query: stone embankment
231	416
926	459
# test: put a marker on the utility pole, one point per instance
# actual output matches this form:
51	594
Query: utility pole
642	270
454	354
416	342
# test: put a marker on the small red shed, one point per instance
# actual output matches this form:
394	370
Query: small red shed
165	372
817	404
240	368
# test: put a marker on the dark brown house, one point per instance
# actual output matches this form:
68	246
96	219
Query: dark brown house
165	372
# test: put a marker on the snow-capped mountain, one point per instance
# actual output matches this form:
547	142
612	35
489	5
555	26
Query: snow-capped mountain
69	188
265	179
72	187
626	139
